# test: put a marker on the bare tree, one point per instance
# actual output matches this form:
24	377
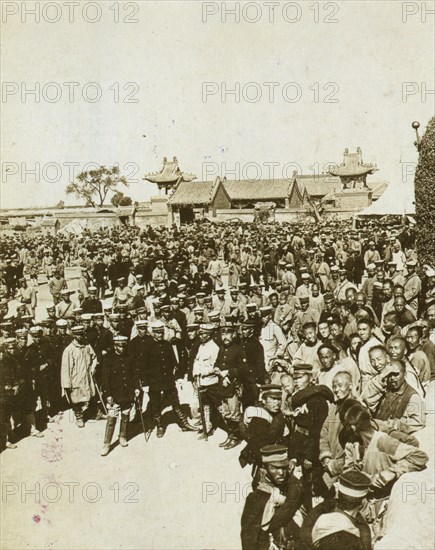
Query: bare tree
94	185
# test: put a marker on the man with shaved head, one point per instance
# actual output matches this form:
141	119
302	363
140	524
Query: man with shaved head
392	400
331	452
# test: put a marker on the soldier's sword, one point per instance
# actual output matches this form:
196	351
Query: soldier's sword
100	396
201	408
147	434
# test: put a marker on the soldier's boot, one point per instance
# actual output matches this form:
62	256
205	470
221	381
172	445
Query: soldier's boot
100	415
208	425
110	428
123	430
234	438
30	421
183	421
226	440
79	418
160	428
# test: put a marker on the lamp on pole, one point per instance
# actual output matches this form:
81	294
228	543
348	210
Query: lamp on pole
417	142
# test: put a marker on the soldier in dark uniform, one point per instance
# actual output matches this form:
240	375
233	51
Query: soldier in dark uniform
40	358
178	315
120	387
254	353
160	366
99	273
269	510
309	406
233	371
252	315
91	304
262	425
9	388
100	337
26	395
337	524
57	346
138	349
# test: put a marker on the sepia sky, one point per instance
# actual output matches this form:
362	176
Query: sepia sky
361	59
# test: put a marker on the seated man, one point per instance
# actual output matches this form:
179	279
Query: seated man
397	349
330	365
331	452
307	352
382	457
391	399
417	357
337	524
269	510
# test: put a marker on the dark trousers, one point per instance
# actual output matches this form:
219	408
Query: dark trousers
157	397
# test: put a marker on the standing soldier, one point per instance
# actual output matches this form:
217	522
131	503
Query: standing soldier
138	349
309	406
119	389
9	387
92	304
27	395
40	358
205	376
233	370
254	353
160	366
78	366
271	337
99	274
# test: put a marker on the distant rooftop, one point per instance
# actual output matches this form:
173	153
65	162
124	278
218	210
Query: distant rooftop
170	174
352	165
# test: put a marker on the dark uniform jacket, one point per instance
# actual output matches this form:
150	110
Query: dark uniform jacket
92	305
138	349
160	365
37	355
118	377
263	429
254	353
101	339
233	359
190	349
9	376
253	536
306	541
310	408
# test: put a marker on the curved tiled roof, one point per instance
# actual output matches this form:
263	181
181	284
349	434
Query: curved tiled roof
257	189
352	165
318	186
195	192
170	173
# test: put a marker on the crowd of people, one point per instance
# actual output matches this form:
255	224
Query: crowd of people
311	345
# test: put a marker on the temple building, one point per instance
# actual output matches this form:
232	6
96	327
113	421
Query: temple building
353	171
196	200
169	176
340	192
